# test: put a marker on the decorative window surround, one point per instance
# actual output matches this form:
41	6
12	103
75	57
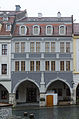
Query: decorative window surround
24	30
47	30
8	27
38	30
62	30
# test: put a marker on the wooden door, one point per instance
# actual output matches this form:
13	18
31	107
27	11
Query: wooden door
49	100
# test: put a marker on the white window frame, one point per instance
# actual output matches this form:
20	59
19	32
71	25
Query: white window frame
64	30
25	30
38	30
7	27
51	29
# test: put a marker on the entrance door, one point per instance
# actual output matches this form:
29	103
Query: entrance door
31	95
49	100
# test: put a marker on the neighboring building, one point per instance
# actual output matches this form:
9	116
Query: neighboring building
42	58
76	61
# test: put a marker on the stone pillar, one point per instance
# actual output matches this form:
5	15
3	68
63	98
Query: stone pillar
12	99
42	90
73	96
42	83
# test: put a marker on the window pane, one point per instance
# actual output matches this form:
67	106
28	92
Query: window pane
4	49
32	47
62	28
31	65
52	46
37	65
36	30
17	66
22	46
61	65
4	68
22	65
67	65
47	65
67	46
47	46
61	47
16	47
37	46
52	65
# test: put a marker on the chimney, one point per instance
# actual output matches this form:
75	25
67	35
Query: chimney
39	15
58	14
17	7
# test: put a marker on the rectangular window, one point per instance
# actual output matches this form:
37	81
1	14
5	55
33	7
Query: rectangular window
37	65
52	46
67	65
31	65
16	66
52	65
22	65
47	65
4	94
61	65
67	47
4	68
4	49
17	47
32	47
47	46
22	46
37	46
61	47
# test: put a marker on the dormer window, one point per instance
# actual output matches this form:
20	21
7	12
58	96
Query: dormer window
49	30
36	30
5	17
8	27
62	30
23	30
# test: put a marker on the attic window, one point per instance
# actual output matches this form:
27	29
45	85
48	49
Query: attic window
36	30
62	29
5	18
8	27
23	30
49	30
0	26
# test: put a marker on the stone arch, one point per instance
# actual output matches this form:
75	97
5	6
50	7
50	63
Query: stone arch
6	87
59	80
26	79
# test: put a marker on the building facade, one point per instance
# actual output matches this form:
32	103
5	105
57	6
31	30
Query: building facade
40	57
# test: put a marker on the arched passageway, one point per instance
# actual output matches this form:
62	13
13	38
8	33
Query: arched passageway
4	95
27	92
62	90
77	94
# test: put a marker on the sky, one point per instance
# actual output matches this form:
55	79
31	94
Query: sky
48	8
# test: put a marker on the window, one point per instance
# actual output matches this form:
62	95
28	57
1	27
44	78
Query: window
32	47
37	46
67	47
4	68
17	47
0	26
52	46
22	46
52	65
22	65
36	30
61	65
4	94
37	65
4	49
8	27
16	66
49	30
62	30
23	30
67	65
47	65
61	47
47	48
31	65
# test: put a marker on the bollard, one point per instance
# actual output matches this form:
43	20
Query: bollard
25	114
31	116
